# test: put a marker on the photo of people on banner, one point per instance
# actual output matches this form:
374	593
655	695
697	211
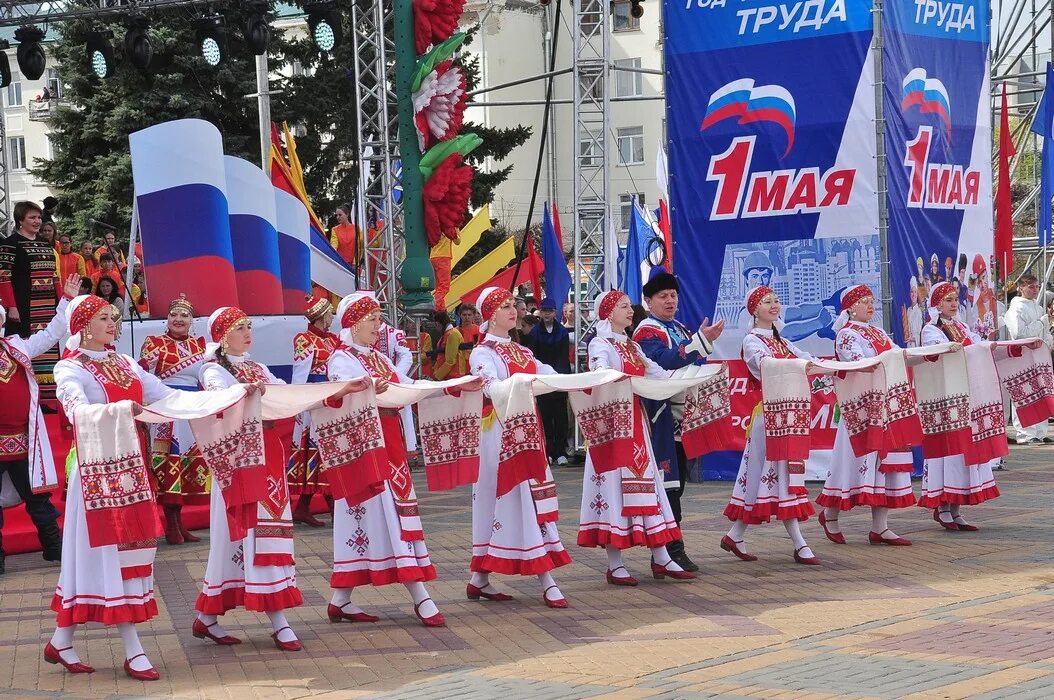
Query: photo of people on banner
971	275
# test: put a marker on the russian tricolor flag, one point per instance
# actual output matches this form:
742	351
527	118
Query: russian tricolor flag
294	250
254	237
929	94
182	211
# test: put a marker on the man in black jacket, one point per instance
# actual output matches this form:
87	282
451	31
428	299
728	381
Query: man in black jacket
550	343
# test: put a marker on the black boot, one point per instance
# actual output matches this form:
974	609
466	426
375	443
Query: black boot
50	541
677	553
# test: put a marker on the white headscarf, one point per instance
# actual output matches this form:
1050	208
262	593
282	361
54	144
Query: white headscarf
844	303
481	302
211	346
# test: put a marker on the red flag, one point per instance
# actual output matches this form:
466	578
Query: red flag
505	279
1004	225
556	225
664	226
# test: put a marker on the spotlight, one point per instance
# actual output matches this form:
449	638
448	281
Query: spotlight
211	40
324	22
100	54
5	64
137	43
257	30
30	54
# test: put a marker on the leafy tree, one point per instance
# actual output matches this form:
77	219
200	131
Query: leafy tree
91	170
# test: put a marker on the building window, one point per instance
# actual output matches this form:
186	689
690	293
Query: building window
631	145
16	152
589	150
621	19
625	203
55	84
628	84
14	91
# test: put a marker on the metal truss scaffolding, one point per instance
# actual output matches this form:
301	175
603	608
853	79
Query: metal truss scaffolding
592	170
378	139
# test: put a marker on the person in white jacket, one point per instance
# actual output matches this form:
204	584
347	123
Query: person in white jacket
1026	318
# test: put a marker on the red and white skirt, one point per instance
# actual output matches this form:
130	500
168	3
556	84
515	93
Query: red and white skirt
100	584
866	481
761	491
506	535
948	480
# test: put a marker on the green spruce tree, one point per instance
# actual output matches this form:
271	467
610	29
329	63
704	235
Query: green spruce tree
91	170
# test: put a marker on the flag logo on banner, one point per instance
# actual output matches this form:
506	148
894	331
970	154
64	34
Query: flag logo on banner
753	103
929	95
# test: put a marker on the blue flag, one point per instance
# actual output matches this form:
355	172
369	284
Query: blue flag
1044	126
557	278
639	231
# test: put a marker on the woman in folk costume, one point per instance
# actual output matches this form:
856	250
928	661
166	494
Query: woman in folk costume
948	483
182	476
255	570
27	468
763	489
378	540
110	584
513	533
627	507
882	483
311	352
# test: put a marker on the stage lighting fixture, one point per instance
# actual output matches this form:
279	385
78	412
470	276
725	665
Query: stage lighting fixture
636	9
257	28
5	64
30	54
211	41
100	54
324	22
137	47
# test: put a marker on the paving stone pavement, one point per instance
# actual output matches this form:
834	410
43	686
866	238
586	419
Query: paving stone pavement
956	615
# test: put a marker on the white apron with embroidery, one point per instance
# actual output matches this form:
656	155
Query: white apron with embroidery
506	535
761	490
233	575
865	481
91	587
948	480
601	520
368	544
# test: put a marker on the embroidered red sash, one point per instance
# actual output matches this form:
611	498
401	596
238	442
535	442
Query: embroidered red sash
638	477
124	513
522	454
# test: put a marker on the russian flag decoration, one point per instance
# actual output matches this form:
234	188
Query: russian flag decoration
254	237
180	193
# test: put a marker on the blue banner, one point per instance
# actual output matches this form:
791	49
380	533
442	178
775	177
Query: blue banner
937	110
772	159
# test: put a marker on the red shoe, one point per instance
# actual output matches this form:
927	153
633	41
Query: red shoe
149	674
947	526
436	620
661	572
836	537
966	527
475	593
557	603
621	580
53	656
294	645
336	614
729	545
810	561
200	630
877	538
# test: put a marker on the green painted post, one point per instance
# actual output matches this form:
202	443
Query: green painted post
417	277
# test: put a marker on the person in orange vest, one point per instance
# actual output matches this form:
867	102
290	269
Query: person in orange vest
108	271
69	262
87	253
